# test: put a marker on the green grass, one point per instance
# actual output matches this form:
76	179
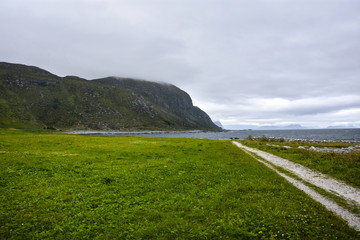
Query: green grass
342	166
91	187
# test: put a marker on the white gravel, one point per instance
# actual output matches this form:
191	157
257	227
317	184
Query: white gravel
318	179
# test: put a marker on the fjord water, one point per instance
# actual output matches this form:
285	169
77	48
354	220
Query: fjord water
306	134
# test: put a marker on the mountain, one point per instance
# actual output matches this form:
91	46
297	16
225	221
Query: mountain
33	97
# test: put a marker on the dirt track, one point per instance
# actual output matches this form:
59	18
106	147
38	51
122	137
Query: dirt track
341	189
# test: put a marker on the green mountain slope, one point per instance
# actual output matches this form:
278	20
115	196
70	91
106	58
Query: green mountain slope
33	97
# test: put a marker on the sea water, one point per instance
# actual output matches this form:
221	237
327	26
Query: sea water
352	134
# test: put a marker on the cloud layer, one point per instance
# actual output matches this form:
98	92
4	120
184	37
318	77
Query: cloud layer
254	62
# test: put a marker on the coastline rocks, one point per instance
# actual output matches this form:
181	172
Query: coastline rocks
274	145
304	147
332	150
325	149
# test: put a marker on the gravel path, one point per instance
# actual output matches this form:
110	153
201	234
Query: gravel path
318	179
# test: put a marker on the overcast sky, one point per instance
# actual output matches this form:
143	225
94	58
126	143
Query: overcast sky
244	62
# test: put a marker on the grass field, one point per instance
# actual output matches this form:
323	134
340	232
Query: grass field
91	187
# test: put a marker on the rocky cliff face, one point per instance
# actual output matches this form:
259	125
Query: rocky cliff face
32	97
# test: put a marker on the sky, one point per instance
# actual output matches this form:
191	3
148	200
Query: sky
247	63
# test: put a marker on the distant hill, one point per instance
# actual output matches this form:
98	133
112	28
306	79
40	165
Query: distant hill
291	126
267	127
345	126
33	97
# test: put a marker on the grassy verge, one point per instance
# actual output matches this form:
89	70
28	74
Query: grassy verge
343	166
90	187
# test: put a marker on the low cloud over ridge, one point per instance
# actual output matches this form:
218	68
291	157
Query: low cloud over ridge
258	62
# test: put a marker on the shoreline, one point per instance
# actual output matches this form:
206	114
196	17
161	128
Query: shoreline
113	132
351	136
